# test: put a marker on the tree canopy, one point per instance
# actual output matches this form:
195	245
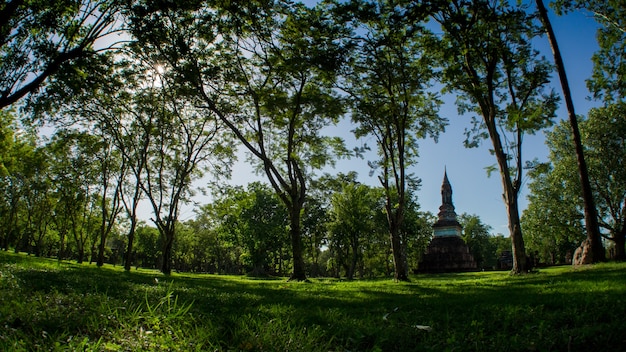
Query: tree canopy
193	85
41	39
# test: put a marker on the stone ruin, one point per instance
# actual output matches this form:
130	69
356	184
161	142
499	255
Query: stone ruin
447	252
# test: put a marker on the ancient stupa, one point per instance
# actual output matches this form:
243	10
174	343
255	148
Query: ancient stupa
447	252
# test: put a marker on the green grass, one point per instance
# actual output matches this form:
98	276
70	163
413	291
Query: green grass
46	305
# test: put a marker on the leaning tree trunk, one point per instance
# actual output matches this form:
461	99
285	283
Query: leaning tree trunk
591	214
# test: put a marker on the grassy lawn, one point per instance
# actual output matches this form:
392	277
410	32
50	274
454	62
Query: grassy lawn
46	305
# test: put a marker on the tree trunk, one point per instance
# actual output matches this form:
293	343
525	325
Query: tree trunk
354	260
81	252
61	254
101	248
129	248
591	214
620	242
520	264
299	273
401	272
168	241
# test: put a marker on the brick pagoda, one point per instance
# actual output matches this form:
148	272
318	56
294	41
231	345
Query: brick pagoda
447	252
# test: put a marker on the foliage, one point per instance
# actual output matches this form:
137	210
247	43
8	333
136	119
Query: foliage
554	214
478	239
488	59
388	77
609	62
255	221
40	39
264	69
355	225
94	309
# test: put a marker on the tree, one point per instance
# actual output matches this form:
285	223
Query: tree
488	59
13	145
148	247
477	236
557	191
387	81
36	197
262	222
216	221
26	204
352	224
128	120
39	39
112	174
317	215
265	69
254	219
609	61
75	178
182	141
552	222
604	135
416	231
116	102
591	216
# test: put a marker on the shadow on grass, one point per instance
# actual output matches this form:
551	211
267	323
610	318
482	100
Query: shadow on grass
555	309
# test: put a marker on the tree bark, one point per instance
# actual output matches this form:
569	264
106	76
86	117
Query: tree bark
401	271
354	259
128	262
510	195
101	248
168	241
520	262
591	214
299	273
620	242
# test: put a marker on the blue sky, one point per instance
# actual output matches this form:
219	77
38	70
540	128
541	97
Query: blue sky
473	191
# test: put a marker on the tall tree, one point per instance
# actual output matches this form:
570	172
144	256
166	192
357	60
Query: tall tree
476	234
609	61
489	60
317	213
39	39
13	146
604	136
127	118
556	206
112	173
591	215
353	224
265	69
388	79
37	199
553	223
183	143
255	219
75	178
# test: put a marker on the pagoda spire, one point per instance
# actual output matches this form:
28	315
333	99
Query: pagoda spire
447	223
446	190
